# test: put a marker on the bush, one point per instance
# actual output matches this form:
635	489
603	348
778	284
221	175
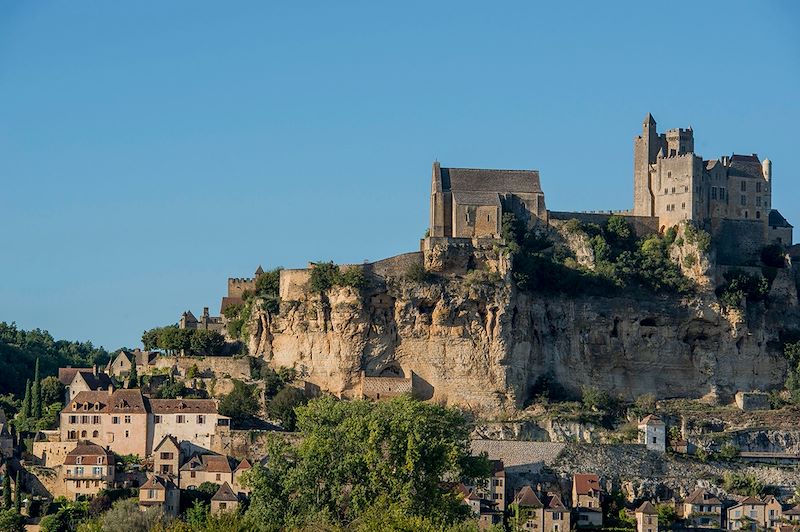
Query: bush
646	403
416	273
742	484
323	276
728	452
125	515
697	236
596	399
740	285
352	277
283	404
690	260
241	404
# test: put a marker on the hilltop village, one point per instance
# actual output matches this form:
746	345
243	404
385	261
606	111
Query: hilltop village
627	370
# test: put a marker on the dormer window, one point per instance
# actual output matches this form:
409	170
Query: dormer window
79	460
74	406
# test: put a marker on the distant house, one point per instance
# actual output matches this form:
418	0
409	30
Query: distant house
243	467
122	364
224	500
205	468
556	514
653	433
792	515
646	518
377	388
206	322
76	380
702	509
166	457
485	510
88	468
6	438
586	500
747	514
162	492
527	510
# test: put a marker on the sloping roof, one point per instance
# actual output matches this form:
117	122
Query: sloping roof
183	406
527	497
121	401
749	500
243	465
497	468
67	375
157	483
652	419
87	449
168	438
189	317
100	381
776	219
487	180
228	302
225	494
193	464
386	385
795	510
584	483
476	198
646	508
698	496
216	463
746	166
518	453
553	503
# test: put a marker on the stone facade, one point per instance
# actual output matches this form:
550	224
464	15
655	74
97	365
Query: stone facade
206	322
88	469
653	433
749	401
161	492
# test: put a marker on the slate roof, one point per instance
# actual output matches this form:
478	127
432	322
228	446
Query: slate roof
698	497
746	166
527	497
67	375
647	508
101	381
776	219
476	198
157	483
225	494
183	406
386	385
486	180
91	450
795	510
584	483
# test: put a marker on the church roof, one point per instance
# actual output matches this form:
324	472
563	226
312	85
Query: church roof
776	219
476	198
486	180
746	166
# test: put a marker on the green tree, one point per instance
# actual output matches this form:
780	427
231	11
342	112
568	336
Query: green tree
323	276
52	391
204	342
150	339
667	515
11	521
125	515
27	405
7	502
18	493
197	514
36	393
282	406
353	453
133	376
241	404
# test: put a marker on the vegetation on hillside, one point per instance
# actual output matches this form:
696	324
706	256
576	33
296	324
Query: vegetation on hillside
326	275
620	259
172	340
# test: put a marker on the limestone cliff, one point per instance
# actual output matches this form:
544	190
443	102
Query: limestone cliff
482	344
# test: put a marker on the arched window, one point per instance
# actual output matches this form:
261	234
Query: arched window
83	434
95	434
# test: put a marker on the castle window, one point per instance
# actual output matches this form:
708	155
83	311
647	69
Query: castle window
666	191
115	420
73	419
758	187
744	186
713	192
673	190
746	214
758	201
83	434
683	205
686	188
669	174
744	199
758	215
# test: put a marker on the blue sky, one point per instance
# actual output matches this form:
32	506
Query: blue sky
149	150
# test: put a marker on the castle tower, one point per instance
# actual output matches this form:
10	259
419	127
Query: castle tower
645	150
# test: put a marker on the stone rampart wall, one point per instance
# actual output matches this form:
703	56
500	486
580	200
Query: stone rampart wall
738	242
395	266
642	225
233	367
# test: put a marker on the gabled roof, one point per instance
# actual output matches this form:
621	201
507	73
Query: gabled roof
120	401
243	465
497	468
749	500
489	180
183	406
526	497
67	375
646	508
776	219
193	464
88	450
652	419
553	503
169	438
746	166
216	464
190	318
701	496
585	483
225	494
157	483
795	510
94	382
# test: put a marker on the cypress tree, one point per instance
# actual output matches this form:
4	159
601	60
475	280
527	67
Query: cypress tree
26	402
133	378
7	490
36	394
17	499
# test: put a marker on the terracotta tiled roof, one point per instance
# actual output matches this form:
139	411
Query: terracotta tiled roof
646	508
224	494
795	510
91	451
585	483
527	497
749	500
121	401
183	406
168	438
157	483
216	463
553	502
698	496
243	465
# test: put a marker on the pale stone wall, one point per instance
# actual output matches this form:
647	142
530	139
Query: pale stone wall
127	436
219	366
199	429
476	221
52	453
293	284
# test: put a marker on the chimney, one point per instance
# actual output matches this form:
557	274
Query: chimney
94	370
205	312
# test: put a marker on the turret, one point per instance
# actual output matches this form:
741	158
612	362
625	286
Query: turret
766	169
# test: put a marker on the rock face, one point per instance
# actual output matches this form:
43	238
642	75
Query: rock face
483	345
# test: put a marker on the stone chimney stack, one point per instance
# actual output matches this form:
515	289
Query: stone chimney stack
205	312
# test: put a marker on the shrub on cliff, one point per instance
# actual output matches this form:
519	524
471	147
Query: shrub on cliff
241	404
739	286
326	275
416	273
742	484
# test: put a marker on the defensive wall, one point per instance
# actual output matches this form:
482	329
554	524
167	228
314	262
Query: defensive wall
738	242
233	367
642	225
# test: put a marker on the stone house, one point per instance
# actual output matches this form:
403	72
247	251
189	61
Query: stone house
586	495
121	365
205	468
773	511
749	513
76	380
527	510
556	514
192	420
166	457
750	401
470	202
646	518
88	468
780	230
485	510
653	433
377	388
243	467
702	509
495	488
206	322
792	515
224	500
162	492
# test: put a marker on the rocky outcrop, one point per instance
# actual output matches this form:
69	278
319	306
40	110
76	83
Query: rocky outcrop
482	345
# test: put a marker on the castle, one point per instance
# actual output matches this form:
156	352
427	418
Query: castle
731	197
